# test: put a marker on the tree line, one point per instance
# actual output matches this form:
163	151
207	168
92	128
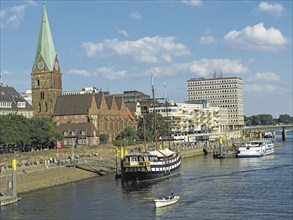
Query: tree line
19	134
266	119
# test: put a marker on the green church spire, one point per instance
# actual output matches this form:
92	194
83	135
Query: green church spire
45	43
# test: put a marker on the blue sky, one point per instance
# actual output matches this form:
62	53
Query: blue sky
117	45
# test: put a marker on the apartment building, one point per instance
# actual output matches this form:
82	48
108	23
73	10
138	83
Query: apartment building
189	119
223	92
11	102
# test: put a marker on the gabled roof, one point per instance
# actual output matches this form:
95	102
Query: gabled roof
78	128
10	95
109	100
118	102
45	43
73	104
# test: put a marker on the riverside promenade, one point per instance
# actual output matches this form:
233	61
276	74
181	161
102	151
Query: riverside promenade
38	170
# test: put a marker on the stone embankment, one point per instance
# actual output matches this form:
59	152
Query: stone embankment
42	169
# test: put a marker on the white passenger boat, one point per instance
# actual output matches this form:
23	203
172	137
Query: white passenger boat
251	149
269	146
257	148
166	201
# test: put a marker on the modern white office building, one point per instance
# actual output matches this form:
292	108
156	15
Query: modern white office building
223	92
186	120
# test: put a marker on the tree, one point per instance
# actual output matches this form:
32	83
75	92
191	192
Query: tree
104	138
148	124
285	119
18	133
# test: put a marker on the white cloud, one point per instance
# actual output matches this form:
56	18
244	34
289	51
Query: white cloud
207	40
135	15
109	73
256	38
192	2
260	88
77	72
13	16
271	8
147	49
265	76
201	68
122	32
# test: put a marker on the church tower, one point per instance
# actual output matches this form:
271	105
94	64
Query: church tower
46	74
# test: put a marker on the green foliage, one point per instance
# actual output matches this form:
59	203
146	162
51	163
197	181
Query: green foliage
161	126
18	133
104	138
285	119
127	137
266	119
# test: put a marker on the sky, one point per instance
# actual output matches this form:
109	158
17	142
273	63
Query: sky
116	46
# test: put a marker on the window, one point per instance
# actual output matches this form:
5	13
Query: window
21	104
42	95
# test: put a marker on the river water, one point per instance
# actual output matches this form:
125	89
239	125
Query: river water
243	188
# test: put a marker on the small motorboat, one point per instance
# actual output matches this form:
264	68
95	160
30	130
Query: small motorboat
168	200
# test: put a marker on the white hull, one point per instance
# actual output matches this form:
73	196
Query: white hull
257	148
166	201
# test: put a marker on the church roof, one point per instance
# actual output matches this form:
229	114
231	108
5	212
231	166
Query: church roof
73	104
45	43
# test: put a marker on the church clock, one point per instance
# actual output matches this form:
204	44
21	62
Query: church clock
41	65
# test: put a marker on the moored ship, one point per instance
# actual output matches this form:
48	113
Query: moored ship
152	165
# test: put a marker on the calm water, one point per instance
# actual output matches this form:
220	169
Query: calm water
244	188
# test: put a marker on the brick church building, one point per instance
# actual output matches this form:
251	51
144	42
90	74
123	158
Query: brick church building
80	117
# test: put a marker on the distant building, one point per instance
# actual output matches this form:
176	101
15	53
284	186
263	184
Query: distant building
223	92
136	101
108	114
46	74
11	102
188	119
27	95
79	134
80	115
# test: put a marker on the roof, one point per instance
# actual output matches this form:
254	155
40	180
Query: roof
162	153
78	128
45	43
10	95
73	104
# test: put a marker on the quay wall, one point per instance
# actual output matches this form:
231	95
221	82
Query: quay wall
191	152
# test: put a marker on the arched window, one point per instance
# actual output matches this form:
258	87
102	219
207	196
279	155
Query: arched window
38	82
42	95
46	107
40	107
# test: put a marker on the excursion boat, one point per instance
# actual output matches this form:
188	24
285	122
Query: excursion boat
166	201
269	146
250	149
152	165
256	148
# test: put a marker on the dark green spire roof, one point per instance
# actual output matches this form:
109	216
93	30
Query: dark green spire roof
45	43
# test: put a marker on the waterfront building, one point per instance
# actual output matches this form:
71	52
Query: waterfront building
46	74
188	119
11	102
223	92
80	115
108	114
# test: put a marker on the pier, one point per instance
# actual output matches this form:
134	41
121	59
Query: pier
10	195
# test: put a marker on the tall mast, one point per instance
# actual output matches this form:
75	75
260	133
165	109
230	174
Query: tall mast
154	107
167	114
